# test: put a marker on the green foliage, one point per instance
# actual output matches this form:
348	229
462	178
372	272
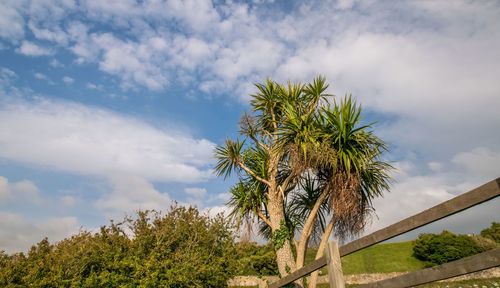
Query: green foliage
485	243
227	157
279	236
179	249
441	248
493	232
254	259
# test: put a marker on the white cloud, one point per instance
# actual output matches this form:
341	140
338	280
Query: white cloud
345	4
53	34
91	86
18	234
109	9
224	197
4	188
248	57
234	44
193	16
196	192
188	53
196	196
129	194
55	63
7	78
91	141
6	74
51	10
418	193
11	20
435	166
134	63
479	162
31	49
68	80
26	188
408	197
216	210
40	76
68	200
82	45
415	191
21	191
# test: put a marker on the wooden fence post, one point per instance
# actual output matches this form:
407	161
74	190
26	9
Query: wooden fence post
335	275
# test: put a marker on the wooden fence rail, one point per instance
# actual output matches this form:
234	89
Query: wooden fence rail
467	200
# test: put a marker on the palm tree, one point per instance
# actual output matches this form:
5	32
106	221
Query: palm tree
301	160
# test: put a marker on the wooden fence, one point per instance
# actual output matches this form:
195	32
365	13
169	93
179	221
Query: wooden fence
482	261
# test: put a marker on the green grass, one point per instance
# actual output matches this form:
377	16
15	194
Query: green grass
381	258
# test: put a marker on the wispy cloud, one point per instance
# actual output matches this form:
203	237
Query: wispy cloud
92	141
23	190
11	20
31	49
68	80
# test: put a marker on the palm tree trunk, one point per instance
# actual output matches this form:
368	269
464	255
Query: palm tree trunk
321	250
284	255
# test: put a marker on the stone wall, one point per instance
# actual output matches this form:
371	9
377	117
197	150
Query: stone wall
261	282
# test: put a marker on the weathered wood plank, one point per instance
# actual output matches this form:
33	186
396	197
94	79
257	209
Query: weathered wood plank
474	197
482	261
335	275
313	266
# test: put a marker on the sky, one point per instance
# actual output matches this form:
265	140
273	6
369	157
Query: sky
108	107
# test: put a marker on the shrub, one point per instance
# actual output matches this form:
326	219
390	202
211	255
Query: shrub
485	243
179	249
254	259
493	232
445	247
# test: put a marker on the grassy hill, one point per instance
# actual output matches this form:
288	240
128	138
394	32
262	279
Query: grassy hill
381	258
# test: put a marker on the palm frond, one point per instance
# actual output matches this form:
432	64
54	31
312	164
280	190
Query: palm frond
228	157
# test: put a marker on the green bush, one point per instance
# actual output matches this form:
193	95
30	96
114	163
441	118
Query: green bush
485	243
493	232
254	259
445	247
179	249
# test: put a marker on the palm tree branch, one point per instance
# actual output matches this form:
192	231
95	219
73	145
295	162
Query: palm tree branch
253	174
311	219
263	218
284	186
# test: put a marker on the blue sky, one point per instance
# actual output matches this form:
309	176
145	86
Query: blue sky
107	107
